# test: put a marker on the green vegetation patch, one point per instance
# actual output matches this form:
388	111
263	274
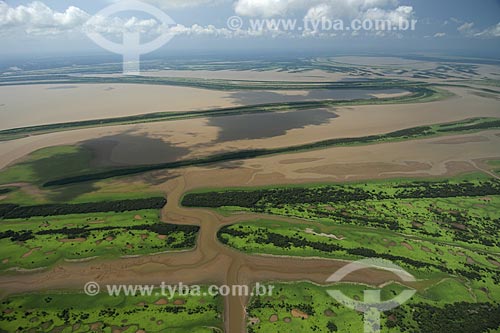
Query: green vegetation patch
48	163
432	228
300	307
496	166
42	241
426	258
22	181
78	313
451	210
305	307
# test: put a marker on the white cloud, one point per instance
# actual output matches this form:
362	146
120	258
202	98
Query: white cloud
439	34
466	28
265	8
313	8
198	30
37	17
117	26
491	32
180	4
394	16
318	12
357	8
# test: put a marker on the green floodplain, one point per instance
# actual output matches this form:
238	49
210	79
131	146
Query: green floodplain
79	313
444	231
305	307
42	241
423	224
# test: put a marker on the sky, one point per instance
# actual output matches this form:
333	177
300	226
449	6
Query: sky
453	27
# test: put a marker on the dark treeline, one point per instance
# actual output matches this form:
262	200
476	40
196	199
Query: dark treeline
189	232
410	133
259	200
275	197
5	190
456	317
12	211
6	208
17	236
480	126
449	190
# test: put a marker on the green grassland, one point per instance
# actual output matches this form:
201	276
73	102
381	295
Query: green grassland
433	228
42	241
461	220
426	259
79	313
53	162
79	193
48	163
309	299
460	210
443	308
496	166
82	231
